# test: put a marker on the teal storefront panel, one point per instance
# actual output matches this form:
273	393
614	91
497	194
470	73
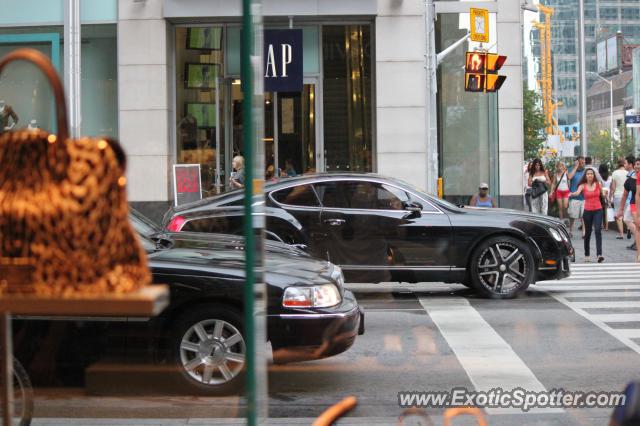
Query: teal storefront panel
310	52
51	12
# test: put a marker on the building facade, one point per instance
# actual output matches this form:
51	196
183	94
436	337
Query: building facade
603	18
164	77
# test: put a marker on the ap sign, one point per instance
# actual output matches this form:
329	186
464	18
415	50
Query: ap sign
282	60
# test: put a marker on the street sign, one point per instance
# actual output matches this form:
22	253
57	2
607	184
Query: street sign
632	118
479	25
481	72
187	186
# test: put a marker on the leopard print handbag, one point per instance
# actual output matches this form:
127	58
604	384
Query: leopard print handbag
64	226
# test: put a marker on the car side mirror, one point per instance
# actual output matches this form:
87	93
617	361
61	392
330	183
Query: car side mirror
413	208
302	247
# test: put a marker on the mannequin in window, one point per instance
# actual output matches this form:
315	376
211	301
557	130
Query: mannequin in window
189	131
6	113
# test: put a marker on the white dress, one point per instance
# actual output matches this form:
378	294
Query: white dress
541	204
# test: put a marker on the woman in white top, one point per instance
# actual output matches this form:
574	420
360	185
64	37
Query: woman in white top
617	188
606	190
537	172
561	188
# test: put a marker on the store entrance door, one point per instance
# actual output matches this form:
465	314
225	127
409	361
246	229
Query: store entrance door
292	145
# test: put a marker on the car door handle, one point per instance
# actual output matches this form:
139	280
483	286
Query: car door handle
334	222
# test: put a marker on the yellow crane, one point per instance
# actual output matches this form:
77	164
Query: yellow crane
545	82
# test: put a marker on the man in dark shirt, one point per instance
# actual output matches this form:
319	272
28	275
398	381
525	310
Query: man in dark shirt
629	213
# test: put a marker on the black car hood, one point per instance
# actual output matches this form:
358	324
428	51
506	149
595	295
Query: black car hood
289	269
552	221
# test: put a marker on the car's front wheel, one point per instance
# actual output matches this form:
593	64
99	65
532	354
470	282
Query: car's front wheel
209	350
501	267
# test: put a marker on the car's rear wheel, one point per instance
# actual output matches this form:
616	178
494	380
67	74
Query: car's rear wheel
209	350
501	267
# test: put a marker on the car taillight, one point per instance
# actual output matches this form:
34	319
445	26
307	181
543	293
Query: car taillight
176	224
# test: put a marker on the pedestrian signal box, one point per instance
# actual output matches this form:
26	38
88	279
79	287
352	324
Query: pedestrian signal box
481	72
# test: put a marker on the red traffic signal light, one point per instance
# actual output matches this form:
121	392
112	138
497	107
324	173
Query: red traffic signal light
481	72
475	62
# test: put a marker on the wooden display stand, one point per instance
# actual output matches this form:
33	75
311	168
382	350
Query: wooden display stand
146	302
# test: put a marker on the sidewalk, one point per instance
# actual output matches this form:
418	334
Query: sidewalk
614	251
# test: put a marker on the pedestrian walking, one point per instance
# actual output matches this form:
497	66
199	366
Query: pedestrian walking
482	198
603	169
591	190
539	181
237	177
561	188
527	187
576	203
637	218
627	209
618	177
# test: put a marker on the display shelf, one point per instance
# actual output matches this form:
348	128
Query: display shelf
146	302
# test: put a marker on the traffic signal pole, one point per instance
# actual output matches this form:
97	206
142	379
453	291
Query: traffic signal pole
254	291
431	104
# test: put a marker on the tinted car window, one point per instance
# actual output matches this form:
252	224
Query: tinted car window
330	196
301	195
218	224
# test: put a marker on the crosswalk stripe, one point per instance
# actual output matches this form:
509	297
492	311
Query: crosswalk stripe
595	265
602	294
486	357
617	317
631	333
595	281
597	321
560	287
605	305
603	273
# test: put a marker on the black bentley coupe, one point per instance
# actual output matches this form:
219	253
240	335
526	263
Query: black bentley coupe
382	229
200	335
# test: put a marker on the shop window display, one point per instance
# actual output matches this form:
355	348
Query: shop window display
199	96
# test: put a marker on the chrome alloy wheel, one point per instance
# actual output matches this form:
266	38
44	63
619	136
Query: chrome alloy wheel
213	352
502	268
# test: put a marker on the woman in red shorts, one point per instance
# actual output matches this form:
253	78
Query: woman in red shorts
592	212
561	185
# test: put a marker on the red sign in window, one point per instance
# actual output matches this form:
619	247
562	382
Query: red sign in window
187	179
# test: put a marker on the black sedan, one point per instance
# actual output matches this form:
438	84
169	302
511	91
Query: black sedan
381	229
309	313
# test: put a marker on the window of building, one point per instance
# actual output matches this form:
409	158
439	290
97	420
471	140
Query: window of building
29	94
463	147
630	13
348	136
199	99
608	13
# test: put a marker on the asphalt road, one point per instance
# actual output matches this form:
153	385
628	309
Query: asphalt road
578	334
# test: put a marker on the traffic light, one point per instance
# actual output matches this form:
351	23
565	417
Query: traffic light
475	70
481	72
493	63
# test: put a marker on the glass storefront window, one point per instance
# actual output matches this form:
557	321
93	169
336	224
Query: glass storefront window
467	121
99	89
347	98
23	87
26	90
199	100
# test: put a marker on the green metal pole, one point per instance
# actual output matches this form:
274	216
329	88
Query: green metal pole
255	313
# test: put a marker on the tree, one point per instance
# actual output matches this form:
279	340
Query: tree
600	145
534	124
